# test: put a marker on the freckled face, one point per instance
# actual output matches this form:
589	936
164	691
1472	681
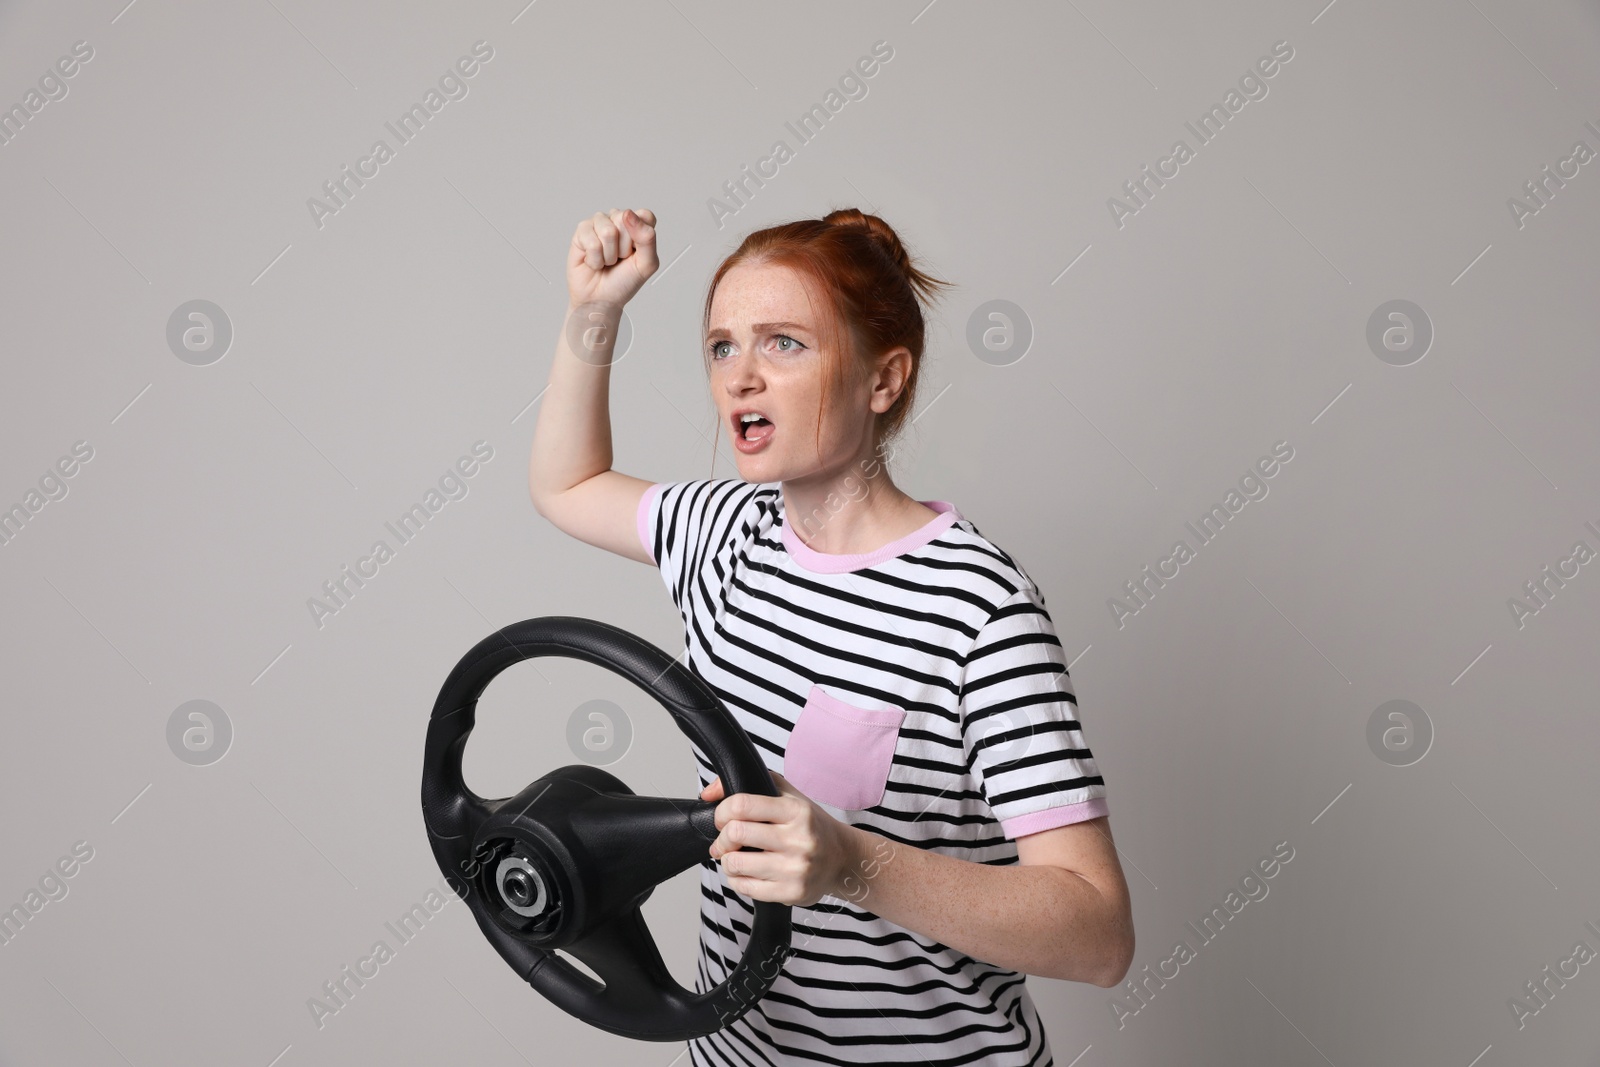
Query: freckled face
765	355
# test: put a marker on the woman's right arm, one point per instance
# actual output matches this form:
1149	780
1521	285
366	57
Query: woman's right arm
570	479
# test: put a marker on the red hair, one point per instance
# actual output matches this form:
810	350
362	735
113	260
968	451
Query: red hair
869	287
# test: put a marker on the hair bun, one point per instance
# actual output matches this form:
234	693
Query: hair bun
881	233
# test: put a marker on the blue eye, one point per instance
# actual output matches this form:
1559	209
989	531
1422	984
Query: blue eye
714	347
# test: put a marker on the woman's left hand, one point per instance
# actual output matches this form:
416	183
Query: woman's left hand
805	852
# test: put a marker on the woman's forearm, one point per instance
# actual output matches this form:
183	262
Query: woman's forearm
1035	919
572	438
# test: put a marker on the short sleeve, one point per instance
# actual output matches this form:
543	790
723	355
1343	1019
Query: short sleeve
647	518
1019	723
687	527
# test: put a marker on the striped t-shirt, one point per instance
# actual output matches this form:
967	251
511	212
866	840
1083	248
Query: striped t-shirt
919	692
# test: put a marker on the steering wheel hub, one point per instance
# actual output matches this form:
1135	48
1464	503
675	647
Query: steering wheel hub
521	887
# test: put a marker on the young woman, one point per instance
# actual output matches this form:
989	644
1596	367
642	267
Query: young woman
942	829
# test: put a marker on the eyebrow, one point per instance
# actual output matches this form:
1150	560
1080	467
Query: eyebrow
761	327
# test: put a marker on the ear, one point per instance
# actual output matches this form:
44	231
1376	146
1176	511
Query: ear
894	370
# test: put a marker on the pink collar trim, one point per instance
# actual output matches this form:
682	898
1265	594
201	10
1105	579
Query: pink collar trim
836	563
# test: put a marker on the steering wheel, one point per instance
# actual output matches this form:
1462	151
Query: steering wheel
566	863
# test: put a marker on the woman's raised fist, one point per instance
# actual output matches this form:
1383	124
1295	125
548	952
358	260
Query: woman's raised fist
612	255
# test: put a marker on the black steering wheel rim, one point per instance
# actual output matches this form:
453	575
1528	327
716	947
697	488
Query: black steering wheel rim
566	862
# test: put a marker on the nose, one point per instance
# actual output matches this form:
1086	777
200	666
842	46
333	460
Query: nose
741	376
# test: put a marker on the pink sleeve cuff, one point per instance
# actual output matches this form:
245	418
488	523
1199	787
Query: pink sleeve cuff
1050	818
642	521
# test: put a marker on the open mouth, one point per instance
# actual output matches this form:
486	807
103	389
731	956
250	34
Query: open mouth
755	429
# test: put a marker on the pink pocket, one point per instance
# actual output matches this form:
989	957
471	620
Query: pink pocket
840	754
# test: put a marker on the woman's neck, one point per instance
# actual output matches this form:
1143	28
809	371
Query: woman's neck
851	515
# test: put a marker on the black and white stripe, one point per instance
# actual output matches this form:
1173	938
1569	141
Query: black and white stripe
953	632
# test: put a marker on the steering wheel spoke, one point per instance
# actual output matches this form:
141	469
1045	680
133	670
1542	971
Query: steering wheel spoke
638	842
623	952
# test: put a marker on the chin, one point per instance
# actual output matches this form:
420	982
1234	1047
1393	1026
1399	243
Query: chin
753	471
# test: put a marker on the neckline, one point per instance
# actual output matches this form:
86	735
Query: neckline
808	558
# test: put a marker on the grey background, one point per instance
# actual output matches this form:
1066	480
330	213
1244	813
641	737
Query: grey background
1228	314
